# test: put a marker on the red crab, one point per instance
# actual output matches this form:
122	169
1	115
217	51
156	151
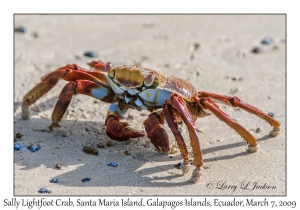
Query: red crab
166	97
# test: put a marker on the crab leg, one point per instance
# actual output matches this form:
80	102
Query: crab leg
170	115
181	107
116	130
70	72
85	87
207	103
155	131
236	102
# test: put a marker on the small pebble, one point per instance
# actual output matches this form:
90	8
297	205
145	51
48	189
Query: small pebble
35	35
21	30
90	150
196	45
54	180
100	145
33	148
18	146
271	114
112	164
178	166
126	153
109	143
234	78
90	54
44	190
58	166
258	130
18	135
256	50
267	41
86	179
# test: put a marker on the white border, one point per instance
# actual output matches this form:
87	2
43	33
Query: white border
155	6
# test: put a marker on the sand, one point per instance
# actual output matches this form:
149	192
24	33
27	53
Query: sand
213	52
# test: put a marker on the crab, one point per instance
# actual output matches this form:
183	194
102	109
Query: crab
167	98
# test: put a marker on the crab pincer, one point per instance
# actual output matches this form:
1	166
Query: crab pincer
156	133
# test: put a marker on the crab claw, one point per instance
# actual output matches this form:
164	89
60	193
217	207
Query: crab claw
120	131
157	134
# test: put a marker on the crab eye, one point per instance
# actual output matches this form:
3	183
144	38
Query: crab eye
149	80
108	67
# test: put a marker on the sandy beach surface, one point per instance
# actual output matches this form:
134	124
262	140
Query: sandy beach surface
213	52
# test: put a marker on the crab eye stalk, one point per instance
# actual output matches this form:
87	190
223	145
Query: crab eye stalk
149	80
108	67
109	70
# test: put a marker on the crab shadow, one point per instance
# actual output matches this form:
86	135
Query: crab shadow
230	146
41	105
140	169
